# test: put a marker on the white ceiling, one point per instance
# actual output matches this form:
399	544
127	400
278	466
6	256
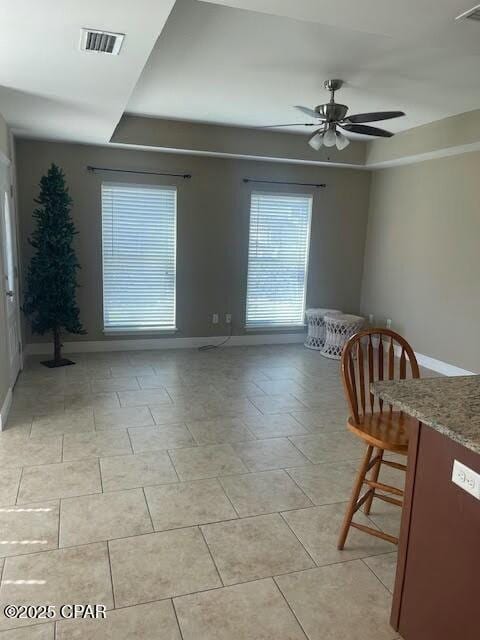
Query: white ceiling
229	64
51	89
387	17
240	62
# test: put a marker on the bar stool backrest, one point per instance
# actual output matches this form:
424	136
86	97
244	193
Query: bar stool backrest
369	356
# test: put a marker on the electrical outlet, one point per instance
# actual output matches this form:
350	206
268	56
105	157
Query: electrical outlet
371	319
466	479
215	318
389	323
228	318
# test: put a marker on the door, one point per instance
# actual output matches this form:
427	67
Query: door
10	274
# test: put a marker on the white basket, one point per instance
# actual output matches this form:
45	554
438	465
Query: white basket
338	329
316	327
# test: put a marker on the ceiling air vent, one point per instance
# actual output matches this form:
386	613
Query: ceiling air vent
471	14
96	41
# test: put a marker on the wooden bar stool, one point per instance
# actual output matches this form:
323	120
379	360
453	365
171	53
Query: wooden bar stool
369	356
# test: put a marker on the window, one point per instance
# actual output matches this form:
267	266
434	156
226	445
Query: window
139	229
278	259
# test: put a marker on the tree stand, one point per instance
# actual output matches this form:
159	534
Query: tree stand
57	361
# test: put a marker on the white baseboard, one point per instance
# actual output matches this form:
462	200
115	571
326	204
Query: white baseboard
5	409
85	346
442	367
437	365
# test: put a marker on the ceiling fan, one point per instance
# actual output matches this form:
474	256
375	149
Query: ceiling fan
333	117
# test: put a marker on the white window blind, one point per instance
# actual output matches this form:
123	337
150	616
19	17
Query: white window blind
278	259
139	229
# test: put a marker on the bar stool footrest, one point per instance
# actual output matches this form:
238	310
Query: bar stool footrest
384	487
375	532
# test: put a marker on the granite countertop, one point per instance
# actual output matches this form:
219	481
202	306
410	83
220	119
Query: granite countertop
450	405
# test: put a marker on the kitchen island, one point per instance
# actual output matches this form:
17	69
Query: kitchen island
437	587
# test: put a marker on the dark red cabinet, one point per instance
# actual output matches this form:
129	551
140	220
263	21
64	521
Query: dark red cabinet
437	589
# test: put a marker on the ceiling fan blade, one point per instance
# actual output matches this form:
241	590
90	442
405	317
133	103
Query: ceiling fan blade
292	124
372	117
365	130
309	112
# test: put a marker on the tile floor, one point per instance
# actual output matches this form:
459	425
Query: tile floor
195	495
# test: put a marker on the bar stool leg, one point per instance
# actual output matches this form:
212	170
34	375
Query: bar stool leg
352	505
374	478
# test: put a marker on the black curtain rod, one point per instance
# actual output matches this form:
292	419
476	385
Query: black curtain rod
185	176
298	184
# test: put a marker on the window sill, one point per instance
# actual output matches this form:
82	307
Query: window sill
274	327
149	331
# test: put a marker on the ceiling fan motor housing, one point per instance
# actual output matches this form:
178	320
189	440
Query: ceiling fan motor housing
332	111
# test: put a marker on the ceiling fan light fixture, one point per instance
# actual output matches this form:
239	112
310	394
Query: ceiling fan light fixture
330	137
341	141
316	141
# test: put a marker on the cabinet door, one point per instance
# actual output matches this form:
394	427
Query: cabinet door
441	589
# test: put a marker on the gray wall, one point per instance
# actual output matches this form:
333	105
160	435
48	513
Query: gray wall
191	137
460	133
422	259
213	212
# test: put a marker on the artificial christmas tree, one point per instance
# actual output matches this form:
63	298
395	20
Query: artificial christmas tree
50	300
